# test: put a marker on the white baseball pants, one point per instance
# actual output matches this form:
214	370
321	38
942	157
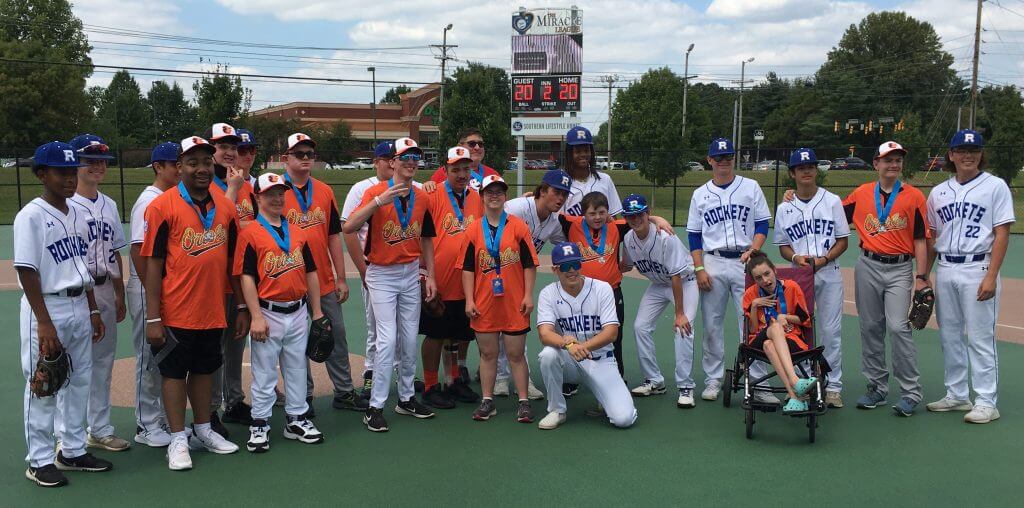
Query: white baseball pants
371	329
286	343
656	298
149	407
601	376
828	316
395	297
103	353
727	280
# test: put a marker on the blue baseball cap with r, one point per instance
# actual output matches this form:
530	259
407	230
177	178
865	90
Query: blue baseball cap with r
558	179
247	138
967	137
634	204
578	135
565	251
165	152
384	150
90	146
802	156
55	154
721	146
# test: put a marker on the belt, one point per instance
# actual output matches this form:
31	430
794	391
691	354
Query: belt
69	292
601	356
731	254
286	308
964	259
100	280
889	259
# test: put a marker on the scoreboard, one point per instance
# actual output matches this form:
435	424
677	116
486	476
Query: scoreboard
545	94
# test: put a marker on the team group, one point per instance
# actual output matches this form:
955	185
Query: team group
217	255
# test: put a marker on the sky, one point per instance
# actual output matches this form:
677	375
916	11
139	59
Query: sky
621	37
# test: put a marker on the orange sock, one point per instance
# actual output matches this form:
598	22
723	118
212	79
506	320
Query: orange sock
429	378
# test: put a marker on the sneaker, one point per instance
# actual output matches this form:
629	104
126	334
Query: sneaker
794	406
311	412
46	476
711	390
302	430
871	399
569	389
982	414
178	458
905	407
485	411
685	400
279	398
212	442
948	403
350	400
217	426
158	438
110	443
435	397
524	413
87	462
551	421
764	398
367	388
532	392
648	388
259	437
240	413
464	375
597	412
461	392
833	399
374	420
418	385
412	407
501	388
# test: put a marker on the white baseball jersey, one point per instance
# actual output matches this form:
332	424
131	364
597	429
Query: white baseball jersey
725	217
137	222
106	236
964	215
658	257
54	245
355	198
811	228
582	315
547	230
604	185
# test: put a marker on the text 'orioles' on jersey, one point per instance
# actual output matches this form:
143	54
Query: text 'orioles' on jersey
659	256
724	217
811	227
796	305
280	275
965	215
243	203
601	264
906	221
197	260
581	316
448	244
319	220
54	245
387	241
499	313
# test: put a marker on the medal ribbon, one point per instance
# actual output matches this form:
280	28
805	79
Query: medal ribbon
282	241
770	312
207	219
883	212
599	248
299	196
404	216
455	203
220	183
493	243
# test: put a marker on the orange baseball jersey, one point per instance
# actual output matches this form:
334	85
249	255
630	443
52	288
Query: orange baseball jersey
499	313
197	259
317	216
243	203
387	242
280	275
907	219
450	231
795	305
598	266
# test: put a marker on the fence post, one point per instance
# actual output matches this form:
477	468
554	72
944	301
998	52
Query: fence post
17	177
775	200
675	185
120	165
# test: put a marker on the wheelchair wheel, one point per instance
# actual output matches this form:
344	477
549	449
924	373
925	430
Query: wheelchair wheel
749	420
727	382
812	424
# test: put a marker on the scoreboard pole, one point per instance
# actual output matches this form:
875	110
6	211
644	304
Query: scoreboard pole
520	162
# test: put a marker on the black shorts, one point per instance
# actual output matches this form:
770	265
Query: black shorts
513	332
453	324
196	352
762	336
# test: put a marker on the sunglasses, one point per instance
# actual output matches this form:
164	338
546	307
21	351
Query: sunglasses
94	149
406	157
569	266
475	144
966	149
720	158
246	150
305	154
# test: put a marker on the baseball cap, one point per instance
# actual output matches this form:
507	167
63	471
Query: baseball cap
55	154
222	132
403	145
247	138
579	135
721	146
889	147
802	156
268	181
634	204
967	137
458	153
557	179
492	180
565	251
196	143
299	137
384	150
164	152
90	146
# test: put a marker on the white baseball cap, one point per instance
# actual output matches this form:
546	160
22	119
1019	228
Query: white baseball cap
223	132
491	180
403	145
458	153
299	137
889	147
195	142
268	181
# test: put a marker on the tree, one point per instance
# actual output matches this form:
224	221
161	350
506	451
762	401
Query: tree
335	144
1001	121
393	96
41	102
478	96
173	117
219	98
271	133
123	110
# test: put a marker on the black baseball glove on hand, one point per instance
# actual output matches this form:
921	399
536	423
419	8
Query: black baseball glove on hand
51	375
921	308
320	343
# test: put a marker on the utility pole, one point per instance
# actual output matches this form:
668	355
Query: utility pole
443	58
739	121
686	85
974	72
373	105
610	79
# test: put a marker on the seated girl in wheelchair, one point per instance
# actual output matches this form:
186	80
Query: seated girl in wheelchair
776	316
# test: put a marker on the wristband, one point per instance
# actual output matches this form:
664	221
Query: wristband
698	268
94	312
922	277
241	306
154	320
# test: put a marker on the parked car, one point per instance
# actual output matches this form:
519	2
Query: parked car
602	162
616	166
746	166
695	166
857	163
839	163
824	165
934	163
363	163
536	165
770	166
347	167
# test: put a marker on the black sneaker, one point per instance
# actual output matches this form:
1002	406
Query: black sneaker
464	375
87	462
569	389
46	476
418	385
302	430
350	400
435	397
412	407
367	388
374	420
310	413
240	413
217	426
524	414
485	411
461	392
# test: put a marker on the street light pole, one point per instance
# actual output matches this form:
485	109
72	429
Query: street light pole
373	105
739	121
444	59
686	85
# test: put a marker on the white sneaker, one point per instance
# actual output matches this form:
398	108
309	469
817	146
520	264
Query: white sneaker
259	438
178	458
551	421
501	387
685	400
948	403
764	398
711	390
303	430
649	388
158	438
213	442
532	392
982	414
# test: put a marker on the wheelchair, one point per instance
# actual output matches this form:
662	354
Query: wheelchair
807	363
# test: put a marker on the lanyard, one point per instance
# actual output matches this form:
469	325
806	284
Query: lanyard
770	312
493	243
883	212
207	219
282	241
455	204
599	248
477	175
404	216
299	195
220	183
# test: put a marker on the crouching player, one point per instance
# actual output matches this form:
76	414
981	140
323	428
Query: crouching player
277	272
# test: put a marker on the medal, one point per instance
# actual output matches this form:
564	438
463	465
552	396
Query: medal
493	245
404	214
598	247
208	236
601	259
883	211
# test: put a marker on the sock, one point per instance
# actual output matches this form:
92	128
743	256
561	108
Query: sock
524	400
203	429
179	435
368	374
429	378
489	398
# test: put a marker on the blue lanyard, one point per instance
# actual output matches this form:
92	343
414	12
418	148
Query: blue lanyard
404	216
493	243
220	183
282	241
455	204
770	312
883	212
299	196
599	248
477	175
207	219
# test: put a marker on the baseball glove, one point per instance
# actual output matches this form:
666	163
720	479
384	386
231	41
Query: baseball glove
51	375
320	343
433	307
921	308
